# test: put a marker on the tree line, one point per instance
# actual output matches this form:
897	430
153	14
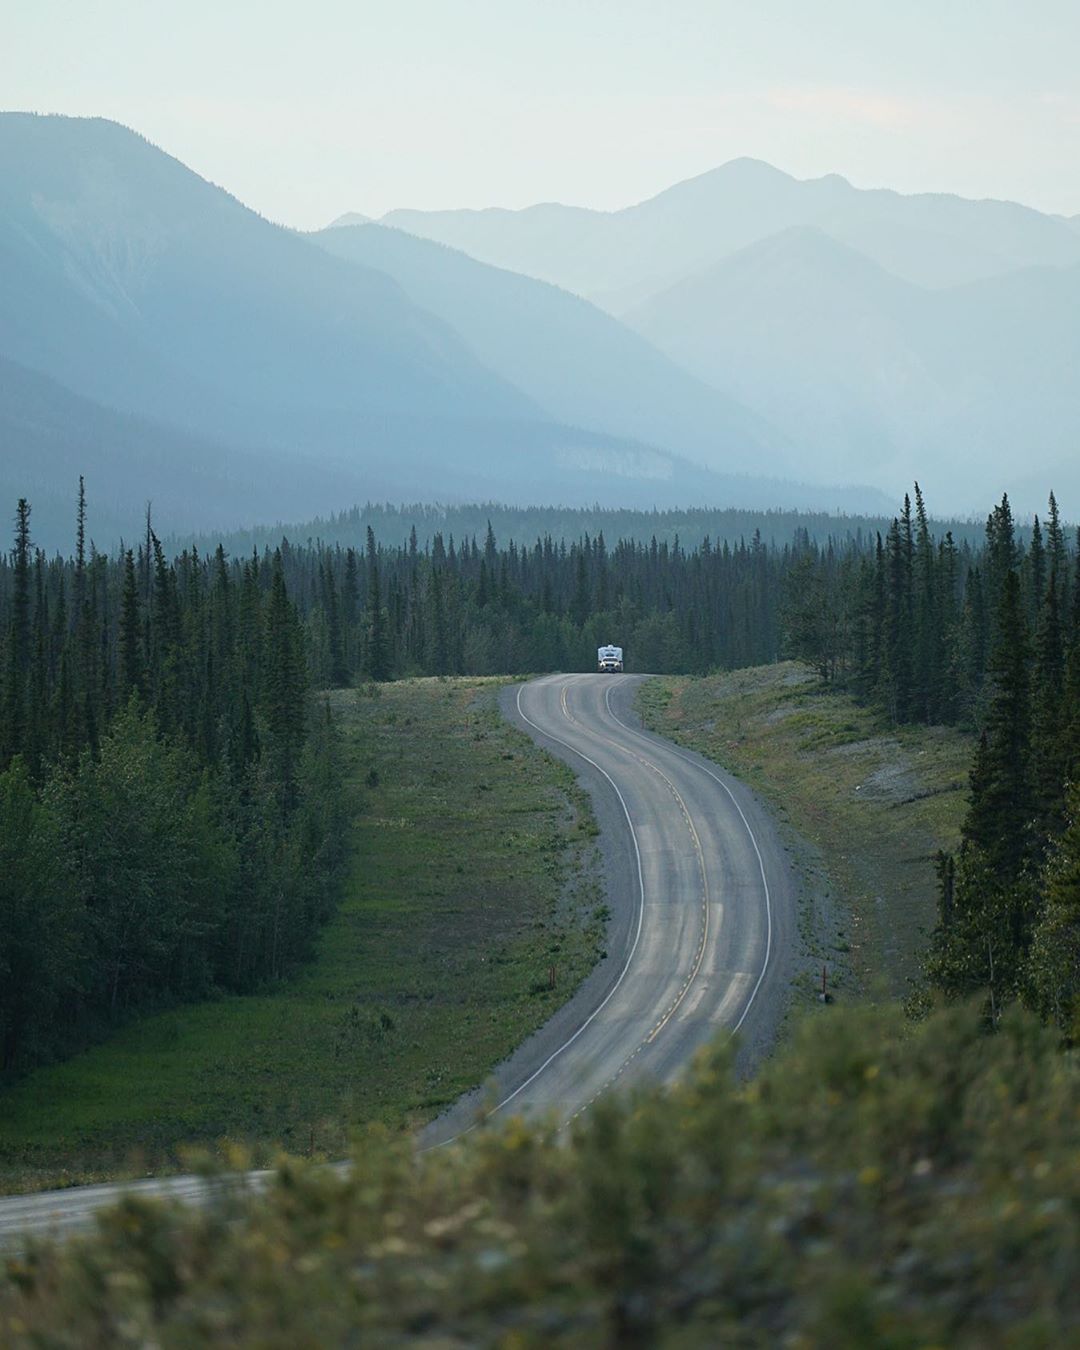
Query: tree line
193	677
170	819
472	606
986	638
1009	906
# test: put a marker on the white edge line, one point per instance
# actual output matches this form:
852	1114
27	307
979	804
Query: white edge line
59	1215
690	759
637	934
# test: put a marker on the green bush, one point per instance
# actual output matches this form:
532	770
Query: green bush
878	1185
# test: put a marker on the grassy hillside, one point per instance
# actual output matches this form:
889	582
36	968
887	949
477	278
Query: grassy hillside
469	875
876	802
880	1186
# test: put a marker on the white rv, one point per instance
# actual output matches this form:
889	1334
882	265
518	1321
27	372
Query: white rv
608	659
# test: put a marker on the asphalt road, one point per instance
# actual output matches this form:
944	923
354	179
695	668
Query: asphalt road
703	896
701	938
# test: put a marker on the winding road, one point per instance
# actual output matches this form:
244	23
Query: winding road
700	941
703	897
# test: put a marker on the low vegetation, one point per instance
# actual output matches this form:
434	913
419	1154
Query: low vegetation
876	802
470	878
880	1186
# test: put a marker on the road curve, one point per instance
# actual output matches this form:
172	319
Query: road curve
704	900
700	942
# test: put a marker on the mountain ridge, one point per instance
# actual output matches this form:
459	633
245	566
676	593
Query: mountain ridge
581	365
135	284
931	238
879	377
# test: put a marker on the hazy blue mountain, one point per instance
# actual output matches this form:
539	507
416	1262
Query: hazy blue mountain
619	258
131	282
579	364
811	330
350	218
883	379
49	436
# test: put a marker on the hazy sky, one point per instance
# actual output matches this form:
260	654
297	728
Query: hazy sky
307	109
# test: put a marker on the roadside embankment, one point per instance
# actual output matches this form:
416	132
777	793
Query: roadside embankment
873	803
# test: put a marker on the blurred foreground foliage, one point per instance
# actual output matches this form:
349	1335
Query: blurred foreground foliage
879	1184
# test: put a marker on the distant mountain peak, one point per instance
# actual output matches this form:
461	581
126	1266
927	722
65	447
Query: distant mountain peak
751	164
831	178
739	174
350	218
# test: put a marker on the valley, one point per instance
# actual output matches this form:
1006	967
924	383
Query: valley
539	677
423	980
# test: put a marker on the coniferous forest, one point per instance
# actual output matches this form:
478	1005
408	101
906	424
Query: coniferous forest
169	797
988	639
170	819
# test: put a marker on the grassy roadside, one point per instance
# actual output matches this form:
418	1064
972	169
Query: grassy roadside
874	802
471	876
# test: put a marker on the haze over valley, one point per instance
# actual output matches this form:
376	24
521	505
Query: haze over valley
878	332
743	338
540	674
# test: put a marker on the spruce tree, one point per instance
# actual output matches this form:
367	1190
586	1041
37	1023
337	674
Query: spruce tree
1001	553
1050	744
897	664
284	684
350	607
378	646
999	820
130	631
1056	552
1035	574
926	635
1053	969
339	675
13	740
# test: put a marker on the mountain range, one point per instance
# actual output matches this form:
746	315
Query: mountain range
620	258
873	373
568	356
303	378
883	337
743	339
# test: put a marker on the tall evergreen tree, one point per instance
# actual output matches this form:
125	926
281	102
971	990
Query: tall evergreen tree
1050	746
378	644
1054	967
1000	817
130	631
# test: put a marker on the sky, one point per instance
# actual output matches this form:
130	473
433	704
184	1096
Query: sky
305	110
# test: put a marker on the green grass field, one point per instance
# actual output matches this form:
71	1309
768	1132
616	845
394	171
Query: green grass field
471	876
875	802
